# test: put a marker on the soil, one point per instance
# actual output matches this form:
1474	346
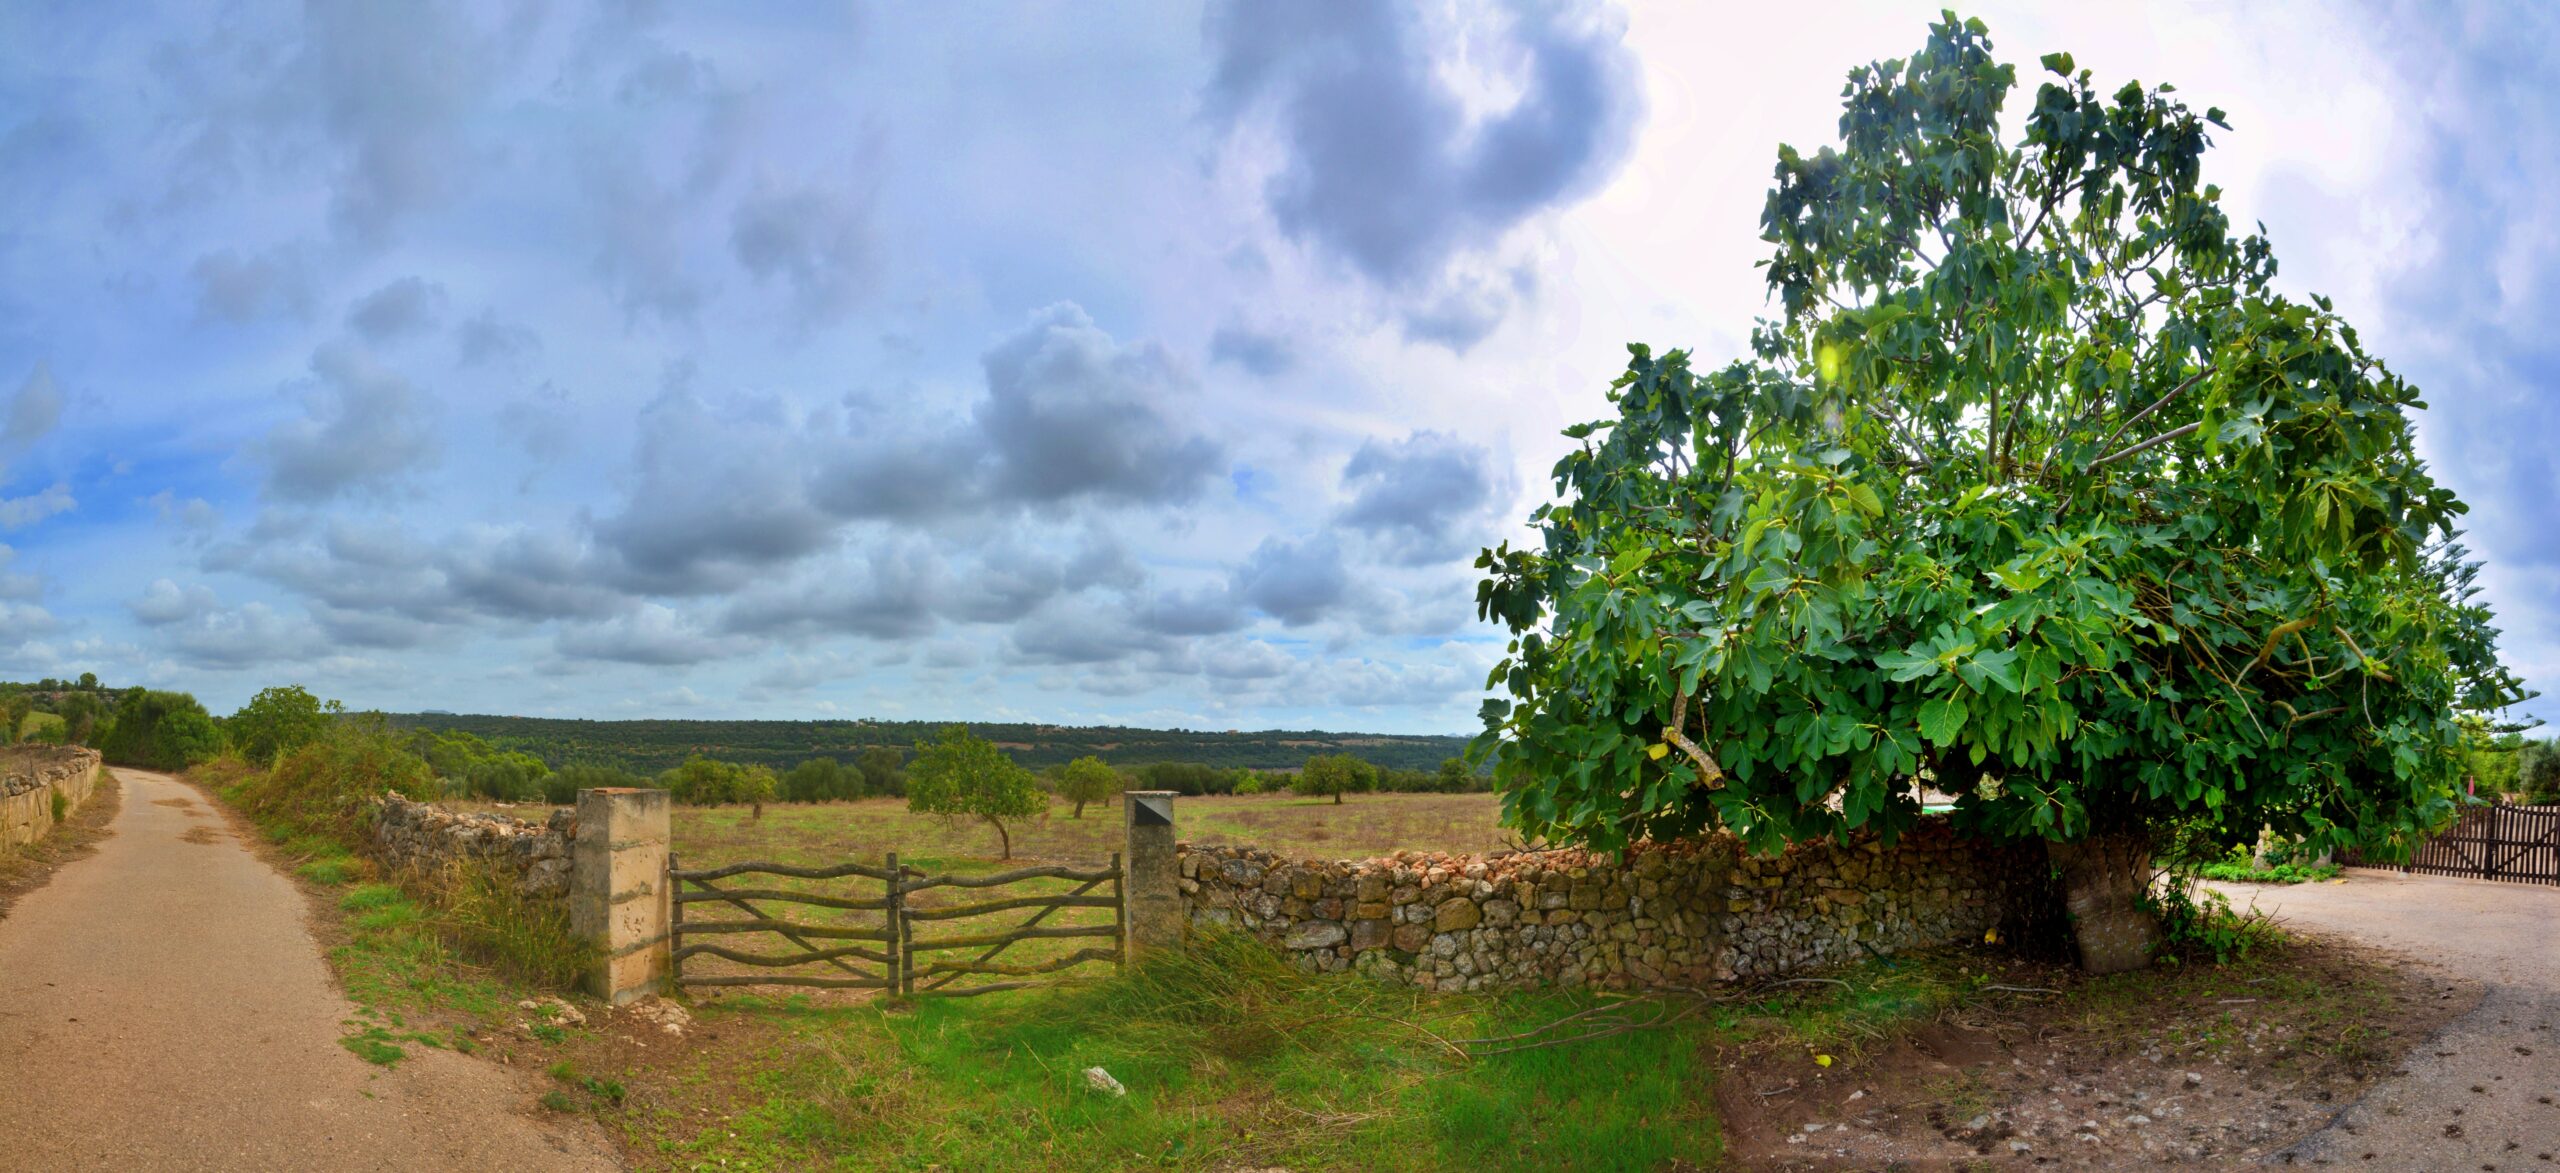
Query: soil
2199	1065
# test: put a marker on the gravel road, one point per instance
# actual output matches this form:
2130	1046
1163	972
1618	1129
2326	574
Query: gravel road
163	1005
2484	1093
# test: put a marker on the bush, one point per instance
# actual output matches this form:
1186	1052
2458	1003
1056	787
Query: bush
278	719
702	781
161	731
478	910
2538	771
561	786
509	777
2191	928
1189	778
883	770
327	786
821	780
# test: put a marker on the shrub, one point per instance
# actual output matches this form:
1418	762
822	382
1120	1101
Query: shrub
702	781
478	910
161	731
821	780
883	770
278	719
2538	771
561	786
327	786
509	777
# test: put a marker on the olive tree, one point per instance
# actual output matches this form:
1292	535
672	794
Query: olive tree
963	774
1085	780
2033	490
1334	774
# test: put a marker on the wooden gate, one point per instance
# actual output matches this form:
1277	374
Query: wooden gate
2519	843
887	916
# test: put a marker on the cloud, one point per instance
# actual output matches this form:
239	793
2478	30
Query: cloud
1430	496
1382	163
1199	611
526	575
21	512
165	602
33	413
1296	583
14	585
1070	413
483	341
718	494
389	89
365	429
194	515
815	239
1255	351
397	310
893	592
235	287
651	634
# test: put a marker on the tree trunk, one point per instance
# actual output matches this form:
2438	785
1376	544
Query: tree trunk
1337	798
1001	836
1079	808
2103	882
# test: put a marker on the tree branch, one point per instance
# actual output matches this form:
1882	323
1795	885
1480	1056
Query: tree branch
1710	775
2156	405
2144	446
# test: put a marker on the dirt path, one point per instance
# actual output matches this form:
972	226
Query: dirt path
164	1006
2484	1093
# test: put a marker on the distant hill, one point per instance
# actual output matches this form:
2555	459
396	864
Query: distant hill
650	746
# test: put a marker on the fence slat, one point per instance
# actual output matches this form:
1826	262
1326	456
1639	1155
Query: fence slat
736	894
777	960
996	879
984	907
791	979
786	928
830	872
1078	957
1009	936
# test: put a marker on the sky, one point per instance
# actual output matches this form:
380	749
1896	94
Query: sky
1145	364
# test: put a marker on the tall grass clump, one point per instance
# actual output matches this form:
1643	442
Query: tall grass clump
479	911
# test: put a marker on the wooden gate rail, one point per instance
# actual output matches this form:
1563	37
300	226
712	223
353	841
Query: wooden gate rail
899	970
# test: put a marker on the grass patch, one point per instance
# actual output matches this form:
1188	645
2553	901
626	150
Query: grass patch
334	871
374	1045
1231	1058
2283	873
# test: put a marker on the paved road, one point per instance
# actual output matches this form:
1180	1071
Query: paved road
164	1006
2485	1092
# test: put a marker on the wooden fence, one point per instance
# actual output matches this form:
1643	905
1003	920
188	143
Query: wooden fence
2518	843
855	926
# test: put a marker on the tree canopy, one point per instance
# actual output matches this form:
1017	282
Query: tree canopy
279	718
961	773
1334	774
2036	489
1087	779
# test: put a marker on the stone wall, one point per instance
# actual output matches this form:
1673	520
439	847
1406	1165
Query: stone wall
1681	913
421	835
30	776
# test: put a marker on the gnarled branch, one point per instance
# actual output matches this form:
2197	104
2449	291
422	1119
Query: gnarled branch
1710	775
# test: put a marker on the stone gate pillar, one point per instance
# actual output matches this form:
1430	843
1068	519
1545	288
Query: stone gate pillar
1150	887
619	897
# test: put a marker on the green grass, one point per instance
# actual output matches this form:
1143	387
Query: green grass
2283	873
333	871
1231	1058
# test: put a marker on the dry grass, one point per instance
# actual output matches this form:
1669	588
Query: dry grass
30	866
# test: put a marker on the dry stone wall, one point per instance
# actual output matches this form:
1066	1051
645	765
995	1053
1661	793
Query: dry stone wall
30	776
408	834
1682	913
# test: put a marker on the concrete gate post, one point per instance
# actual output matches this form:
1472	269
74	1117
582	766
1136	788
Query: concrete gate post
1150	888
619	897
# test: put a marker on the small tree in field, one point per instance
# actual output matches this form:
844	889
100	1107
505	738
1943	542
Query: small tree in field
2039	491
1336	774
965	775
1087	779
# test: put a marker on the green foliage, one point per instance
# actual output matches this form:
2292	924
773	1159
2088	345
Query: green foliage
327	787
61	805
884	771
2538	771
561	786
1187	778
509	777
648	747
160	731
2241	872
278	719
821	780
2038	486
2199	922
1334	775
962	774
1087	779
703	781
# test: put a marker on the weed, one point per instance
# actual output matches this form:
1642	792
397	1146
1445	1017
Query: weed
558	1101
479	909
333	871
549	1032
61	806
368	897
374	1045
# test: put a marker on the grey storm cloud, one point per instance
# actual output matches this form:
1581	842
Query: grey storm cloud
1296	583
364	428
1429	496
1384	166
892	593
395	311
816	239
1199	611
232	286
652	634
1261	353
716	494
527	575
1070	413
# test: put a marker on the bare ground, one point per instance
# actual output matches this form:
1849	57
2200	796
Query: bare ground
174	977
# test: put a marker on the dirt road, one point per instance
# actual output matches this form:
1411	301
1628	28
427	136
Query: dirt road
2485	1092
164	1006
